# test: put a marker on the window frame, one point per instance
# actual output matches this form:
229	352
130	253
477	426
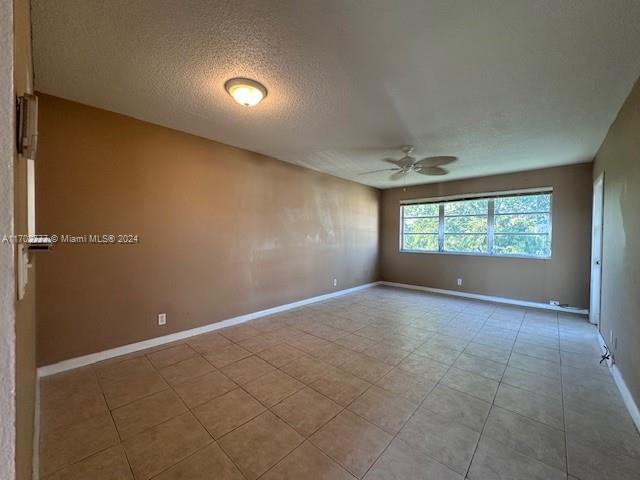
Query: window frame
490	196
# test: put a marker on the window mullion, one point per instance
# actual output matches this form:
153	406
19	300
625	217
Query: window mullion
491	226
441	227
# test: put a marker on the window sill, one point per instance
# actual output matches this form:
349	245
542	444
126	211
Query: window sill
475	254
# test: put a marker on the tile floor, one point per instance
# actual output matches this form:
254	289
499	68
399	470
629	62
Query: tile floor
380	384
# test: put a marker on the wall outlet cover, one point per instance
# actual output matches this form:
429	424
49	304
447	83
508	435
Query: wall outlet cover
162	319
459	281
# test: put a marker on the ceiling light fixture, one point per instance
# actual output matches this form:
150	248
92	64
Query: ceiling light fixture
245	91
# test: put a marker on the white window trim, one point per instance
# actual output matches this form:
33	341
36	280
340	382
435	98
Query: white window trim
490	222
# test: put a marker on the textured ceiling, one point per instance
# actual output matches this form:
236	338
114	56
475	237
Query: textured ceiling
505	85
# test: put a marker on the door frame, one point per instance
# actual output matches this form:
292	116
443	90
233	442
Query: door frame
7	256
596	241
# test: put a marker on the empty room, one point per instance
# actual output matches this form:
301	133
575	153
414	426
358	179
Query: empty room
320	240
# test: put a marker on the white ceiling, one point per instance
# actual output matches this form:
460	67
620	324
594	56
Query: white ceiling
505	85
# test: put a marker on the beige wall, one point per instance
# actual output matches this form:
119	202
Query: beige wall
619	158
223	231
25	308
565	277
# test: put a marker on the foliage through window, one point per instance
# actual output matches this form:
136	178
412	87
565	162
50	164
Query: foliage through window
517	225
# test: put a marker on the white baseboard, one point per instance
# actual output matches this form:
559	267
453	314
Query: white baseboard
627	398
154	342
487	298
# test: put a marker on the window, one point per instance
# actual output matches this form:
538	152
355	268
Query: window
502	225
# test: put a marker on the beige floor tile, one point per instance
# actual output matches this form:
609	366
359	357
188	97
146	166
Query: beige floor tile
229	411
383	409
169	356
281	354
352	442
341	387
207	342
401	383
527	436
402	462
587	462
186	370
201	389
120	391
223	356
356	343
372	333
423	367
366	368
260	444
240	332
307	410
537	407
261	342
306	369
533	382
457	406
448	442
110	464
161	447
269	324
481	366
309	463
114	370
61	385
471	383
535	365
387	353
335	355
206	464
273	387
308	343
67	445
247	369
500	355
534	350
494	460
403	341
70	400
147	412
601	430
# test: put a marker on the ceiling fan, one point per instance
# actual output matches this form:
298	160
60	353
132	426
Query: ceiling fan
408	164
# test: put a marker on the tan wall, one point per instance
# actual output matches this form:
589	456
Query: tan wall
565	277
25	308
223	231
619	158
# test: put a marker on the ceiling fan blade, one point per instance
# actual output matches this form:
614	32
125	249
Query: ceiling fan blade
398	175
432	170
378	171
435	161
392	161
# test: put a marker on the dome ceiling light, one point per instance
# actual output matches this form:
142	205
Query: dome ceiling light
245	91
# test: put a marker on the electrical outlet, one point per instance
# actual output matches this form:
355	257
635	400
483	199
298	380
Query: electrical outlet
162	319
335	282
459	281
